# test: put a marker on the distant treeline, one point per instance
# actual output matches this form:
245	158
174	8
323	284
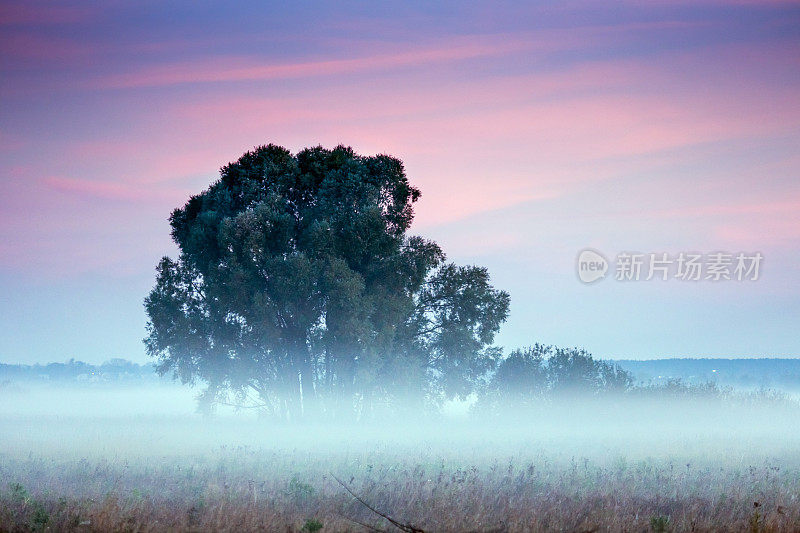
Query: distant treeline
541	375
114	370
738	373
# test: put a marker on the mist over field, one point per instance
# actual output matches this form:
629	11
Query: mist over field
139	456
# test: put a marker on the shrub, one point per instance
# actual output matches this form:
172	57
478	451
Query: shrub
311	526
298	491
659	523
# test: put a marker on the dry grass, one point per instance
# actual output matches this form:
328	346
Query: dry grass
603	468
248	490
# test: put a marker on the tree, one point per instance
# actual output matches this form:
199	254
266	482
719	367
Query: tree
298	290
571	371
536	375
574	371
519	382
522	376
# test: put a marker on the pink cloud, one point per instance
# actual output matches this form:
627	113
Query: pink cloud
495	142
227	69
472	145
242	68
760	233
779	208
629	104
130	192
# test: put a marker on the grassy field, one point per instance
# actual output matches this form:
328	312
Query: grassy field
596	468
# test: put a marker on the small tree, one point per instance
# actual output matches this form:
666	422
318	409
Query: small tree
540	373
521	378
572	371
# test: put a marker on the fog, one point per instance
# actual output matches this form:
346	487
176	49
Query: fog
106	456
128	420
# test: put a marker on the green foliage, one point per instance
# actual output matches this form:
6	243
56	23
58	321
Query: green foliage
676	388
40	517
532	374
298	491
521	377
18	493
311	526
298	290
659	523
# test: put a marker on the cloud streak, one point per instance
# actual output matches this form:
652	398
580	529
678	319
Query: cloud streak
245	68
239	69
106	190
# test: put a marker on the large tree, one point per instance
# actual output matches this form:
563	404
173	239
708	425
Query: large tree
297	290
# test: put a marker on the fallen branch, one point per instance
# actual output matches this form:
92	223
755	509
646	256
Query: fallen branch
408	528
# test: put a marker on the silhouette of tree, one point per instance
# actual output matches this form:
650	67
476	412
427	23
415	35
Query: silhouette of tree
297	290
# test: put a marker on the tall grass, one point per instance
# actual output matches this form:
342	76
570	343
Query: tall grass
585	466
243	489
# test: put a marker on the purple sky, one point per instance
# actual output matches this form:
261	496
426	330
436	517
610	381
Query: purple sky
533	132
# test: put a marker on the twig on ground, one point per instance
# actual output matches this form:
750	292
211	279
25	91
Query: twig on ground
408	528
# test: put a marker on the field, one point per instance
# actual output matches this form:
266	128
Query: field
602	467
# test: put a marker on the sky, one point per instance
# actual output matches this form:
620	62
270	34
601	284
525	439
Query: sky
533	130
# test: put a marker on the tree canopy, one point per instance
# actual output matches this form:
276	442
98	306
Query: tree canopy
532	375
298	290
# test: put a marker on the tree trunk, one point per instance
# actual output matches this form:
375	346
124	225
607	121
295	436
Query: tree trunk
303	377
309	397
